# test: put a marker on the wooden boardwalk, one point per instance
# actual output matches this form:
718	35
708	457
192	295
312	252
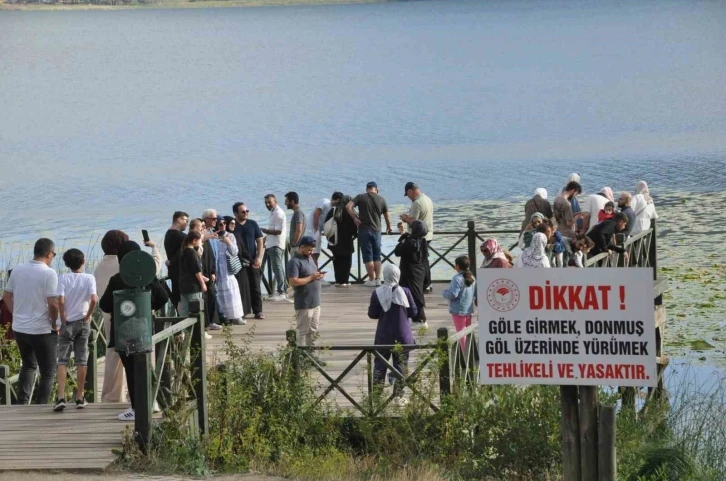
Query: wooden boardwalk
35	437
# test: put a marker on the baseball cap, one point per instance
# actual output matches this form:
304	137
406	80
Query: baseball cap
371	185
308	241
409	186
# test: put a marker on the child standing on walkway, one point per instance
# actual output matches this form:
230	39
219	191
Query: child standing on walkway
77	300
461	296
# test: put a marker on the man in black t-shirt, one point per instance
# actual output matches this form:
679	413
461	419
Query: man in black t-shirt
248	232
172	245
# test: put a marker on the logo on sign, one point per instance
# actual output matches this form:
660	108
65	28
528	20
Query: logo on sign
503	295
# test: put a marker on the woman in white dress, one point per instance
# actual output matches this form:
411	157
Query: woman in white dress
534	255
643	207
228	296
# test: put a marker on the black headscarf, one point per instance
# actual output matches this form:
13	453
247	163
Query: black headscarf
125	248
229	219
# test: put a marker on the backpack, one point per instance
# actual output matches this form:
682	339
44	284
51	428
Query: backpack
330	229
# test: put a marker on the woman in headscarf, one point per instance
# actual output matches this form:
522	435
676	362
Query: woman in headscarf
113	370
526	238
159	298
534	255
411	250
643	207
494	255
229	301
393	305
538	203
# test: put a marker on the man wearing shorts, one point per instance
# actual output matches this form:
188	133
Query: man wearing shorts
371	207
77	300
305	280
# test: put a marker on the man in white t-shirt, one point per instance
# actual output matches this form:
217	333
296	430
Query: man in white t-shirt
315	224
276	236
592	206
77	300
31	295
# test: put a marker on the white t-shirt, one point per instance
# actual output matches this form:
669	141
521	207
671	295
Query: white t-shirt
76	290
277	221
324	205
32	284
594	204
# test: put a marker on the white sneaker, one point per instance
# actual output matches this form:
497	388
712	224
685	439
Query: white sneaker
370	283
379	282
207	336
214	327
127	415
239	322
278	298
325	284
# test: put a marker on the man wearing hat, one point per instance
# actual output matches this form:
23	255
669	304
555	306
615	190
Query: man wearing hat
304	277
421	209
371	207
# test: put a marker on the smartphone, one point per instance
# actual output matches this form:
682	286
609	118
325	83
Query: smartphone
145	234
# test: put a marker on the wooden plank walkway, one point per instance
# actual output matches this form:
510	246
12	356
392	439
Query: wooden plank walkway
35	437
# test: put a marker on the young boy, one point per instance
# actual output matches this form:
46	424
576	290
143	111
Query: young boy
607	212
77	300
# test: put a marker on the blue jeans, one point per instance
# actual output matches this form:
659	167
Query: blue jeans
276	258
369	242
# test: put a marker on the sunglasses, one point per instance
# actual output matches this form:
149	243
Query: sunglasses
245	211
53	254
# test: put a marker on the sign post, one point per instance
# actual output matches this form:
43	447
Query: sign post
568	327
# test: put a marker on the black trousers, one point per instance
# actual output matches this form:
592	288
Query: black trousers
210	304
36	350
341	267
427	277
128	363
255	290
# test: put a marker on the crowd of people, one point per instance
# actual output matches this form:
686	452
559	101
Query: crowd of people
218	259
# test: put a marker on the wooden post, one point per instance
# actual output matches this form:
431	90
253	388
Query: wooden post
5	393
653	251
199	363
607	465
291	336
142	400
588	432
471	238
570	434
369	372
442	336
91	386
165	381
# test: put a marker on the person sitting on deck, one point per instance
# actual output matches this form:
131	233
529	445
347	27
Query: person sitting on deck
494	256
603	234
159	298
538	203
393	305
411	250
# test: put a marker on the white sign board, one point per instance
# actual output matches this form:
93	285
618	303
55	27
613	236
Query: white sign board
567	326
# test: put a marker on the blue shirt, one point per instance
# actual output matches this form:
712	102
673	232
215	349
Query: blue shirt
460	296
249	232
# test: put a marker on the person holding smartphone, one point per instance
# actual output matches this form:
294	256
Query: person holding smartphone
192	283
305	279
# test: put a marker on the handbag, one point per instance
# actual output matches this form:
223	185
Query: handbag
234	265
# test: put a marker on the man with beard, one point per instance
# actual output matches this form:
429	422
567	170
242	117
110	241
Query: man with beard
563	210
603	235
248	232
305	279
172	245
275	246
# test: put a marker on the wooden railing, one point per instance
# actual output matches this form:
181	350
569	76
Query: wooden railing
178	377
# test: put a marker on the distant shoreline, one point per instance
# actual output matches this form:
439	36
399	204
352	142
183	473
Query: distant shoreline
164	4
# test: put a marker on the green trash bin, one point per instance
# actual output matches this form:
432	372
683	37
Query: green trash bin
132	307
132	318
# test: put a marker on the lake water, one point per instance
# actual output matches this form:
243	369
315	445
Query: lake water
114	119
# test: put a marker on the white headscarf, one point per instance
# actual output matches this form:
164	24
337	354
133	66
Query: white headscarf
541	192
387	295
642	188
534	255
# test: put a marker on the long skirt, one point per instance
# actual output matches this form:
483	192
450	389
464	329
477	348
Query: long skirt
229	301
412	276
